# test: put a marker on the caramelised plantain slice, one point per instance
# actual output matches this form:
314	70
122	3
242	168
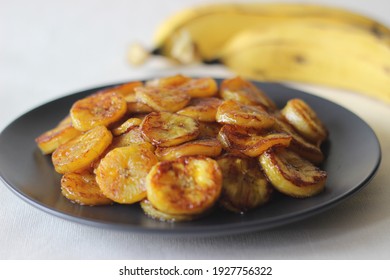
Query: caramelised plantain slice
162	99
250	143
202	109
185	186
79	153
245	92
121	173
136	107
102	108
126	89
82	188
292	175
53	138
133	136
304	120
156	214
203	147
166	129
235	113
202	87
126	126
244	186
299	145
170	81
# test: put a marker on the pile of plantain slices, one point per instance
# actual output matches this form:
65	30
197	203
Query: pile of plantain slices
180	146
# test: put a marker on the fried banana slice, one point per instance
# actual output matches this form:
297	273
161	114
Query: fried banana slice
185	186
166	129
244	186
156	214
103	108
126	126
133	136
82	188
202	109
304	120
298	144
204	147
162	99
126	89
80	152
292	175
171	81
245	92
121	173
49	141
202	87
238	139
235	113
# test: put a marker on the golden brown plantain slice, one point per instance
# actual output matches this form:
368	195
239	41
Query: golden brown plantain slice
299	145
204	147
171	81
292	175
202	87
235	113
305	121
162	99
82	188
252	144
245	92
121	173
185	186
49	141
103	108
244	185
80	152
166	129
126	126
126	89
156	214
202	109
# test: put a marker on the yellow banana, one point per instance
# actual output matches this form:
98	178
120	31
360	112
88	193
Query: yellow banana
318	53
205	29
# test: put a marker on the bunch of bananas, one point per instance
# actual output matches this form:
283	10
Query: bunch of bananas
281	42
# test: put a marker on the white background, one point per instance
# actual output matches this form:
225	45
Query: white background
52	48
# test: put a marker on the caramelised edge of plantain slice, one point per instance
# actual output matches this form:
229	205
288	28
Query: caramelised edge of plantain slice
292	175
156	214
203	147
244	186
251	142
81	188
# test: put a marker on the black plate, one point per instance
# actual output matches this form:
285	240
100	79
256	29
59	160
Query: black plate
352	158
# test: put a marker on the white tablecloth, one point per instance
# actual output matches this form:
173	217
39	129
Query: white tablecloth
52	48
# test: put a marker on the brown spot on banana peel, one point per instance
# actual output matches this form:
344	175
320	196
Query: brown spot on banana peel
299	59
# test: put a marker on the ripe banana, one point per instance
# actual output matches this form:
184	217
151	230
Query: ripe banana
207	28
318	54
283	42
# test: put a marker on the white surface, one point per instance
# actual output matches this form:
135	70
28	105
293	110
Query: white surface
52	48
